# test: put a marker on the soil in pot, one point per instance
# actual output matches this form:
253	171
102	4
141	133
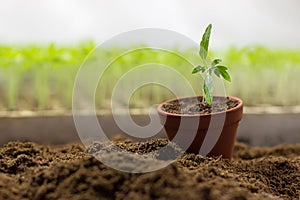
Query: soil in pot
190	106
32	171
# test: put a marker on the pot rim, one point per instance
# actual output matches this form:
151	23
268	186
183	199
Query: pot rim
160	111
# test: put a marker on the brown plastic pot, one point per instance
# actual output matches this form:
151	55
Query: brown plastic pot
194	129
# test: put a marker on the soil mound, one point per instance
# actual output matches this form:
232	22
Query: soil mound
32	171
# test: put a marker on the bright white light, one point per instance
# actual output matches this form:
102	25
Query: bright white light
268	22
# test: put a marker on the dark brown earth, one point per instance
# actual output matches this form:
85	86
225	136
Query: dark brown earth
199	106
32	171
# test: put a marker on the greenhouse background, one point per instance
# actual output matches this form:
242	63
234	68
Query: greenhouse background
43	44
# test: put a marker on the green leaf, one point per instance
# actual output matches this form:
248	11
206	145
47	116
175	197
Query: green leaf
208	88
205	42
198	69
216	71
215	62
223	72
221	67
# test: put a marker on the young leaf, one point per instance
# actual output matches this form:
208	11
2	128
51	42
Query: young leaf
198	69
215	62
216	71
205	42
221	67
223	72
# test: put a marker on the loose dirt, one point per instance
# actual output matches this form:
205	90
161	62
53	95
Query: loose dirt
33	171
197	105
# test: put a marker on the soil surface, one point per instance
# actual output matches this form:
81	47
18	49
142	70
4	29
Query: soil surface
197	105
33	171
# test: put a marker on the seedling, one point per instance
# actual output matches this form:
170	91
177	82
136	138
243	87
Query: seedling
209	67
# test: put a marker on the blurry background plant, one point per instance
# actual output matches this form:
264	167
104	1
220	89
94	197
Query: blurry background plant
39	77
40	53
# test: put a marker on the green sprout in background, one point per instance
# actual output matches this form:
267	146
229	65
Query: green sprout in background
209	67
39	77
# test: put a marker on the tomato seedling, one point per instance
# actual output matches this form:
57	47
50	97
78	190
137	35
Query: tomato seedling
208	68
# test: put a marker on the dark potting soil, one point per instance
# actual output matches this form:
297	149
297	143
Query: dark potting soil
32	171
198	106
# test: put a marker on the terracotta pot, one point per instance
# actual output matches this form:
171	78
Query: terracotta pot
218	130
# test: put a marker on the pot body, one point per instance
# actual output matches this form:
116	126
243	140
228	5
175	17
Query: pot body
208	134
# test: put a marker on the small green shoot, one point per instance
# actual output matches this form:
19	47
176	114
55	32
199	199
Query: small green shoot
209	67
